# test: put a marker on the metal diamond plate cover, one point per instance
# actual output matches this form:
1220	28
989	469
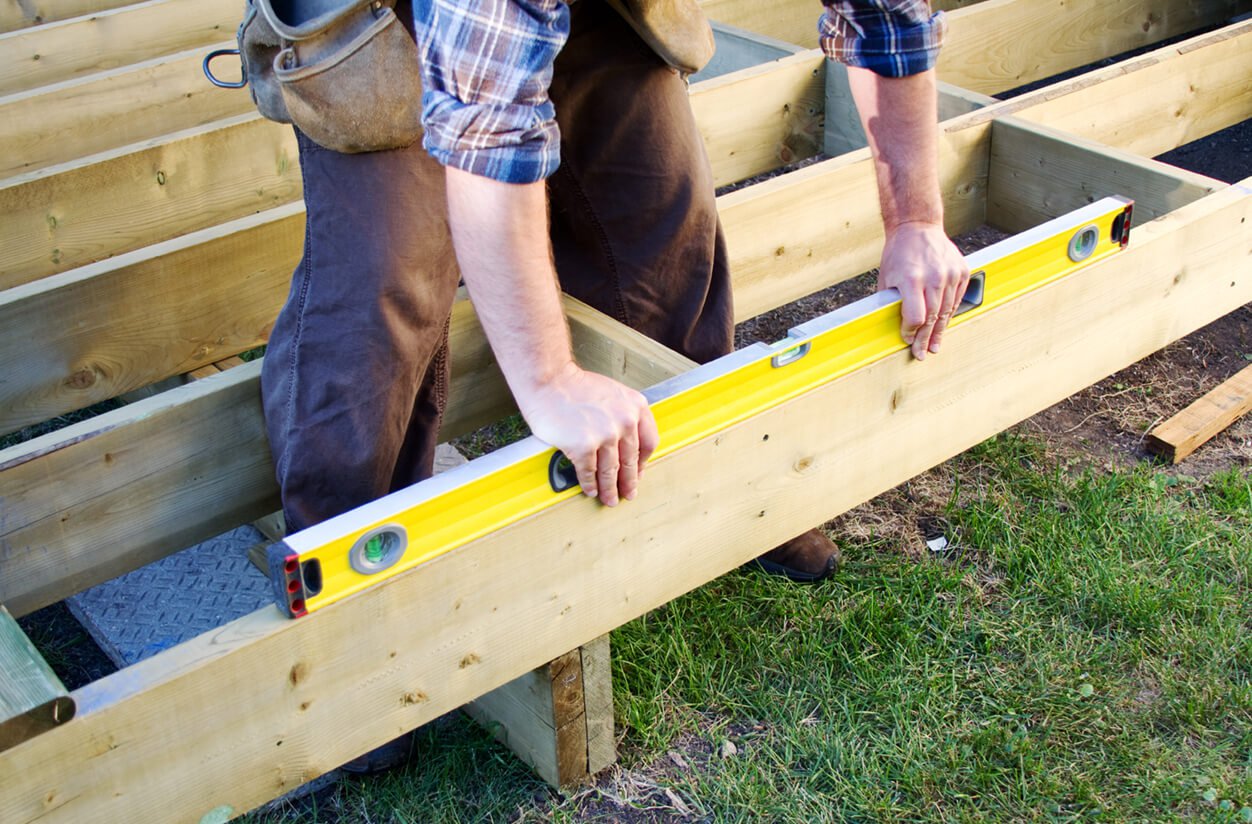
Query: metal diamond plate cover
179	597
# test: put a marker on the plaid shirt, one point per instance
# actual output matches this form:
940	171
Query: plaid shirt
486	66
894	38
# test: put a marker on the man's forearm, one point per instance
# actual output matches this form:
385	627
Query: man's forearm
900	118
900	115
501	236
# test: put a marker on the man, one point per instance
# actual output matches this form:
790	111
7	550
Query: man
534	109
556	141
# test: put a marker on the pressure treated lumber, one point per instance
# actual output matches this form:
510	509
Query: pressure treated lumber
1038	173
1194	426
756	119
64	121
75	339
1157	101
18	14
986	46
739	49
32	698
125	488
794	21
54	52
554	717
426	641
73	214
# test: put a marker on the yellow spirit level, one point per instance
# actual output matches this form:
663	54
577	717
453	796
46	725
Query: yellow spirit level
348	553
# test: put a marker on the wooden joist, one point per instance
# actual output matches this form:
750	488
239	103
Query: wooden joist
51	53
102	111
984	50
1194	426
87	210
123	489
425	642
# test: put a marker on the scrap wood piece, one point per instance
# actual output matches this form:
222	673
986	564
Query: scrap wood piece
1184	433
32	698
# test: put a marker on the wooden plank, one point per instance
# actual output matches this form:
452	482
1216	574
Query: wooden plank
1194	426
65	121
54	52
1156	102
75	339
86	210
110	494
32	698
19	14
758	119
983	50
77	213
323	690
541	717
1038	173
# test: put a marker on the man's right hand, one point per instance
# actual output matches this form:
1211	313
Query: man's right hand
605	428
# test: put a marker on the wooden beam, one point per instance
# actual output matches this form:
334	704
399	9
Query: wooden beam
115	492
65	121
983	50
1157	101
323	689
19	14
1191	428
66	216
78	338
32	698
554	717
1038	173
54	52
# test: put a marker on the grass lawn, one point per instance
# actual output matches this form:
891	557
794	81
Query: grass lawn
1083	650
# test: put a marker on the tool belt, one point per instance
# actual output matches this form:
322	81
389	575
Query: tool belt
346	71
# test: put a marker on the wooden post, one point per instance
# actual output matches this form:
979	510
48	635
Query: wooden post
32	698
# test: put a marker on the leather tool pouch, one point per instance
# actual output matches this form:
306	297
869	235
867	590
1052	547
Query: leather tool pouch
344	71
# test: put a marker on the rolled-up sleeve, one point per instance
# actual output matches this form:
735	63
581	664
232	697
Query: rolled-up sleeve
893	38
486	68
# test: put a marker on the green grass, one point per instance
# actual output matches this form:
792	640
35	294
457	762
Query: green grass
1083	653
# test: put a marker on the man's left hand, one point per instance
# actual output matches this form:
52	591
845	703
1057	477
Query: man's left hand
930	273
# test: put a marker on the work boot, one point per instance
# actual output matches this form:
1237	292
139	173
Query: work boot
806	558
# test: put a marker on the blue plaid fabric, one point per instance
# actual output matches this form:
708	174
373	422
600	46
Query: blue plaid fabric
894	38
486	67
487	64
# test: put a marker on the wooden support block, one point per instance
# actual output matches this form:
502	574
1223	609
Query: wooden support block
53	52
476	618
32	698
554	717
1191	428
1038	173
